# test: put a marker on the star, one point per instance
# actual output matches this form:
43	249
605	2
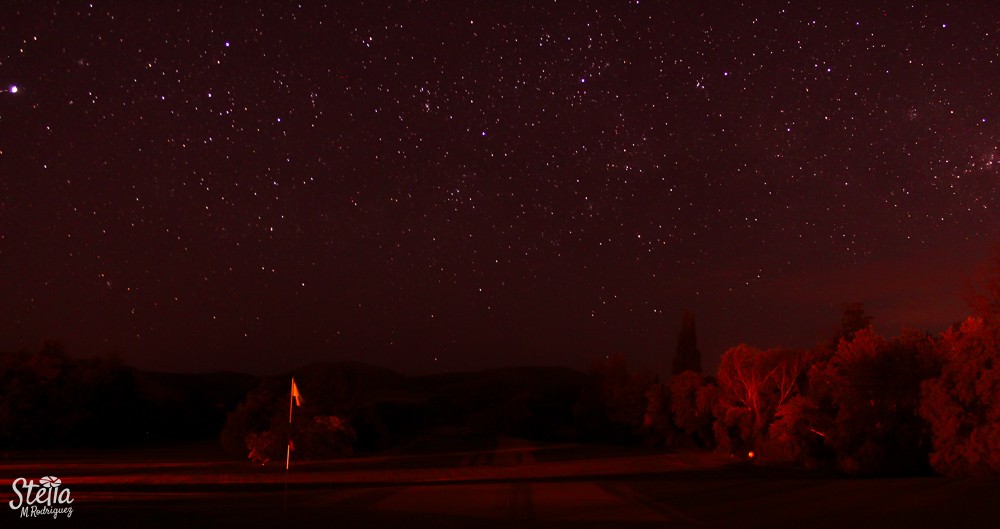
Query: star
421	162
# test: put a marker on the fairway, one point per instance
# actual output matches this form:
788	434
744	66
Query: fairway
514	484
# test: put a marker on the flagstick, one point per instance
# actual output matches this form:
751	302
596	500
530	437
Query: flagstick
288	445
288	452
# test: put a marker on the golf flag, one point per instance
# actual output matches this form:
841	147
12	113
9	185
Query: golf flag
295	393
295	397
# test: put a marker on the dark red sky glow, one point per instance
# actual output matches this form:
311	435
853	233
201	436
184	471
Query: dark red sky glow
455	185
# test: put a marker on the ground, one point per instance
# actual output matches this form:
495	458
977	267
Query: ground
489	483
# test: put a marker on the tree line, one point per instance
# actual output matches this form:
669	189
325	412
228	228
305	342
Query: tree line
862	403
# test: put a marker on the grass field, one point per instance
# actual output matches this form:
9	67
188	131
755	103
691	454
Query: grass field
504	483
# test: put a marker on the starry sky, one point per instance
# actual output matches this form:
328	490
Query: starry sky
433	186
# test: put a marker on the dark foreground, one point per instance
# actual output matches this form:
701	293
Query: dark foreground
505	484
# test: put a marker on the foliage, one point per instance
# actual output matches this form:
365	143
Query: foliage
48	400
259	429
613	405
656	423
793	437
323	436
866	397
752	384
691	398
251	418
963	403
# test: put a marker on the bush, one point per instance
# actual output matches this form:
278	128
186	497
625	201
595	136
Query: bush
612	406
691	398
258	428
49	400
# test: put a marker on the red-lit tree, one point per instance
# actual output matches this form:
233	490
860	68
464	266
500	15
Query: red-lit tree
752	384
865	399
657	427
794	435
691	398
963	404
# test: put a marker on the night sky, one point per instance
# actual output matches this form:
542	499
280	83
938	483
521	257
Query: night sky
461	185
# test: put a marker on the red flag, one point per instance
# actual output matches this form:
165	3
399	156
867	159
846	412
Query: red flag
295	393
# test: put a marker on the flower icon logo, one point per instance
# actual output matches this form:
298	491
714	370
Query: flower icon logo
50	481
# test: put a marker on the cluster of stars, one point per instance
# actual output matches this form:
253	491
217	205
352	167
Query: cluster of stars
222	184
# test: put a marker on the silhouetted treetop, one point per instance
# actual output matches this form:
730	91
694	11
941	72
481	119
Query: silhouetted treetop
984	294
853	319
687	357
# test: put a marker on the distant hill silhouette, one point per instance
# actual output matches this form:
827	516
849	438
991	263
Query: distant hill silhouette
385	407
54	401
184	406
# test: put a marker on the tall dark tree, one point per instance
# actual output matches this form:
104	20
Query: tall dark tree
854	319
688	357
